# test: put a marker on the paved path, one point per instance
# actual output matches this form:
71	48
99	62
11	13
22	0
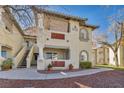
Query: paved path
32	74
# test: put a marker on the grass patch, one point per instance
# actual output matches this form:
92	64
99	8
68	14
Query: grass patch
110	66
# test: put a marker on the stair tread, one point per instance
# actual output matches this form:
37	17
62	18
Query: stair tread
23	63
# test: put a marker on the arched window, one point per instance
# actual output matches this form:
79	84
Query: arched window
84	35
84	55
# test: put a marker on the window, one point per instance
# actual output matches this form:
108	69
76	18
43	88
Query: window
4	54
54	56
84	35
75	28
84	55
50	55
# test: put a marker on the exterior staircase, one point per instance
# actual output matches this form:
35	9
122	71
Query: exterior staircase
23	63
27	58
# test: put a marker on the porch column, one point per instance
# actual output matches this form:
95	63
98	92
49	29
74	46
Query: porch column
40	36
40	41
41	53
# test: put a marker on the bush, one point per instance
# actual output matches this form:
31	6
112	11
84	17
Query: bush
50	66
7	64
85	65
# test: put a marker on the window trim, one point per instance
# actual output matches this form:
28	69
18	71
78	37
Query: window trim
86	53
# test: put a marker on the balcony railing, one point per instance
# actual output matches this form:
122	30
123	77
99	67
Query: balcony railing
57	36
58	63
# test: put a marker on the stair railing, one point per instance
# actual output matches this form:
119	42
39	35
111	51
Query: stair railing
18	58
29	57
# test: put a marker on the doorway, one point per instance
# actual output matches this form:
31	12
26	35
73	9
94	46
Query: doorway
34	61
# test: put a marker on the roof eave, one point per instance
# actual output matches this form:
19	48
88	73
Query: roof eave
91	26
60	14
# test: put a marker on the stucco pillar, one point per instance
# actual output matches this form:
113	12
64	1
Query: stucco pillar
41	53
40	42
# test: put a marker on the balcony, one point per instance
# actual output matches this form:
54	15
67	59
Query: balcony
56	38
58	63
59	58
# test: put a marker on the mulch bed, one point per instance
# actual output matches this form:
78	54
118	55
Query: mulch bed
107	79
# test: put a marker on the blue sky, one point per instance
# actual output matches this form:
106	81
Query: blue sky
97	15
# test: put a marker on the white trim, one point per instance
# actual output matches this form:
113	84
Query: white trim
56	46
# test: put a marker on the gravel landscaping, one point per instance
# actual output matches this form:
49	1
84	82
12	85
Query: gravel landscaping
107	79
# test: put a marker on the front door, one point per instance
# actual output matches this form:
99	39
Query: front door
35	57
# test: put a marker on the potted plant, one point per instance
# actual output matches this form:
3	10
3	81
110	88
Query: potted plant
71	67
50	67
7	64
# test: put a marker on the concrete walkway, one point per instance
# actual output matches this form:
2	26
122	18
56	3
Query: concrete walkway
32	74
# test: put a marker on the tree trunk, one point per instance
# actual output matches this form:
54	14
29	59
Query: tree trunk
116	59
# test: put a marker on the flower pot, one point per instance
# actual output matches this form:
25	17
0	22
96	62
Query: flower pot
70	67
6	67
49	69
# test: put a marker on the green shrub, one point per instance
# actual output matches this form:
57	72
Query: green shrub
7	64
50	66
85	65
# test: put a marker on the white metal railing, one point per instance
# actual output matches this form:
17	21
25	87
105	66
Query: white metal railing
49	61
29	57
48	33
19	57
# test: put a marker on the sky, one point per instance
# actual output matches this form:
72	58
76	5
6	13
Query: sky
97	15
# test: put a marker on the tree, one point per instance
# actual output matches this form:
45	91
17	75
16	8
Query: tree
116	29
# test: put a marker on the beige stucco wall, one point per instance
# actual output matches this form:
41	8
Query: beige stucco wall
12	39
121	57
72	42
106	55
94	56
87	45
101	55
56	42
